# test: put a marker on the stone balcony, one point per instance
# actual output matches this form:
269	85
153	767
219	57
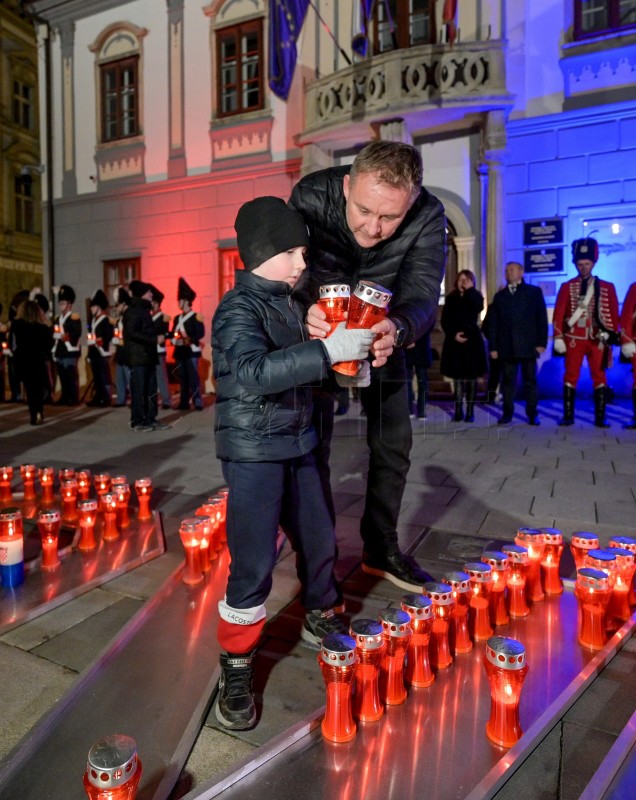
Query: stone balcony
427	86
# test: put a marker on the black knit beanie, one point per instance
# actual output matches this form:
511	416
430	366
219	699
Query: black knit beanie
265	227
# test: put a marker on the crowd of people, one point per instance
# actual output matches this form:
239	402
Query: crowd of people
127	345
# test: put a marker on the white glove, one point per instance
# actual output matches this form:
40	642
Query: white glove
359	381
559	347
348	344
628	350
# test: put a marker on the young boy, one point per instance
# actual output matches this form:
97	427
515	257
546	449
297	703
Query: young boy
264	366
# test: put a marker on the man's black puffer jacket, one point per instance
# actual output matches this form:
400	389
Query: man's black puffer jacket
140	339
410	263
264	369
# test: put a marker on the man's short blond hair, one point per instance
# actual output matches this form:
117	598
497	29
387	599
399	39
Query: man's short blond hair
395	163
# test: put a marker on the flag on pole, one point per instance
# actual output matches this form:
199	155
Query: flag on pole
362	11
286	19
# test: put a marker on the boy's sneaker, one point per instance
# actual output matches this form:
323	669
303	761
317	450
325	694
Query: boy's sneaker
321	623
235	708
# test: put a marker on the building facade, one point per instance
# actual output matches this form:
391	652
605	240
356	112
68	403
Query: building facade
164	117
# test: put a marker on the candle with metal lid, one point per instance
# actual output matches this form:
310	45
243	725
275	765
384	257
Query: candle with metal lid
49	521
533	539
47	482
11	548
370	645
68	491
480	575
143	489
519	564
108	504
605	560
592	591
102	482
113	770
619	607
627	543
441	596
337	659
506	669
551	560
87	510
122	492
6	476
83	484
368	304
204	547
396	630
460	641
333	298
28	473
498	561
580	543
190	533
418	672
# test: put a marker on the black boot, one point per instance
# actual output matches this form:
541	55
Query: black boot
235	707
600	400
568	406
459	393
632	426
470	401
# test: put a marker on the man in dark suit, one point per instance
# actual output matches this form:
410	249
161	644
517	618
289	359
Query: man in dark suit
518	334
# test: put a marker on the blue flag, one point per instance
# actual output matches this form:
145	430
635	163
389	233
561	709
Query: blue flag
362	11
286	18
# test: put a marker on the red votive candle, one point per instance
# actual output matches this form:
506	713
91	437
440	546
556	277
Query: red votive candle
506	669
49	522
603	559
337	659
396	630
28	473
68	490
190	533
480	575
592	591
47	482
206	536
368	304
83	484
417	671
108	503
113	770
369	642
87	510
223	495
333	298
533	539
6	476
102	483
459	581
498	562
441	596
551	560
122	491
519	564
212	509
581	542
627	543
66	474
619	607
11	548
143	488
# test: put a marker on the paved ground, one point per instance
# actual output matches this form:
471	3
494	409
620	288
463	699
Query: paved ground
467	484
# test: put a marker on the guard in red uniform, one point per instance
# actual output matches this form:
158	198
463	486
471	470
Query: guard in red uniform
585	324
628	341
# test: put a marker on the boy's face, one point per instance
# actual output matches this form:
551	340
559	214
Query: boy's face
287	266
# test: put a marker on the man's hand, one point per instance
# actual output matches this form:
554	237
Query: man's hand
494	355
316	322
461	337
540	350
560	347
382	348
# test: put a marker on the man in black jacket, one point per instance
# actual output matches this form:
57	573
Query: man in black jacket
517	335
140	356
375	221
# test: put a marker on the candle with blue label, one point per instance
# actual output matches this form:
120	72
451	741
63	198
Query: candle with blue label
11	548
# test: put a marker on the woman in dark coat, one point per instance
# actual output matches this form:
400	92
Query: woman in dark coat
33	341
463	353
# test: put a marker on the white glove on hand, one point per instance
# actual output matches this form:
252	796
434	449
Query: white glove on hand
359	381
628	350
348	344
560	347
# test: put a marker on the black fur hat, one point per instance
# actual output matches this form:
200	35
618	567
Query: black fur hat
584	249
66	293
99	299
185	292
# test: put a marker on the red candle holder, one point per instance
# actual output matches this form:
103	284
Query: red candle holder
108	504
206	537
337	659
143	488
551	560
68	492
333	298
83	484
533	539
28	473
368	304
222	495
102	483
592	591
47	482
498	561
441	596
418	672
190	533
369	641
581	542
396	631
49	522
214	511
122	491
11	548
66	474
519	565
117	480
506	669
87	510
113	770
460	640
619	606
605	560
6	476
626	543
480	576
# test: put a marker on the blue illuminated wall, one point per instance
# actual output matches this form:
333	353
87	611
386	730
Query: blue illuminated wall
579	165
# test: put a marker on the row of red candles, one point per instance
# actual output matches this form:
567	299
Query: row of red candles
112	499
203	536
380	657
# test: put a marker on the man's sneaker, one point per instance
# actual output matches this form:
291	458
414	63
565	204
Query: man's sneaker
143	428
319	624
159	426
401	570
235	707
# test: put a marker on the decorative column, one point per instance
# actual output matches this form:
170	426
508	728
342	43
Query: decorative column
66	32
393	130
465	246
491	168
176	155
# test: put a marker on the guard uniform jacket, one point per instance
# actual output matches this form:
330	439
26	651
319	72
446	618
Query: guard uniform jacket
410	263
600	314
188	345
628	316
263	368
102	330
161	324
517	323
67	333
